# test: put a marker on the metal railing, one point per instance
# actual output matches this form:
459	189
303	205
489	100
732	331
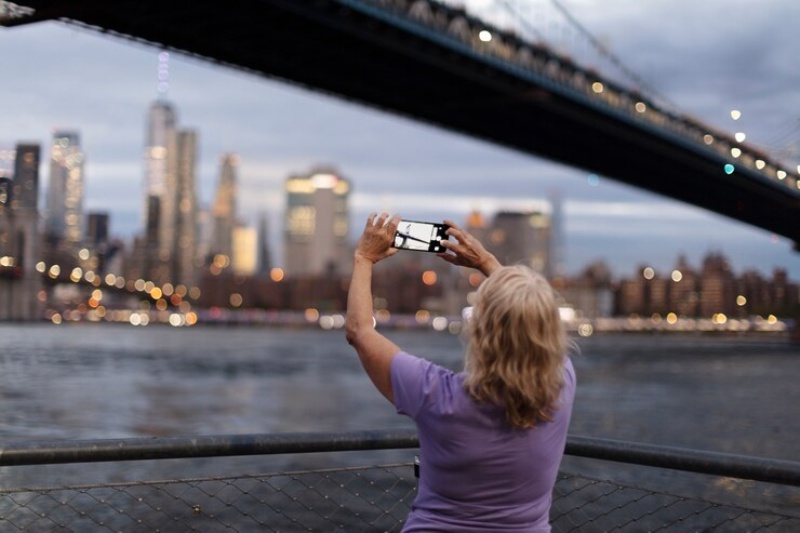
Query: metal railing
378	498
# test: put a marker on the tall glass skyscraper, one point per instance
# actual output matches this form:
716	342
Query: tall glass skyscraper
19	235
224	208
170	204
158	174
64	216
316	223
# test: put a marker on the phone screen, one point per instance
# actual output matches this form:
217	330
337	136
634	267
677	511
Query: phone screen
420	236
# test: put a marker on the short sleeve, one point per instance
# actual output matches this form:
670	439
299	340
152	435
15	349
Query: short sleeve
417	382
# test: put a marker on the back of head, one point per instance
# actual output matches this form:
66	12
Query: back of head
517	346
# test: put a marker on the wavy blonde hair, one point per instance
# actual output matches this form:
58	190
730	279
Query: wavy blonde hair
516	346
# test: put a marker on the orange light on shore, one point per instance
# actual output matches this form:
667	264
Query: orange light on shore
429	277
276	274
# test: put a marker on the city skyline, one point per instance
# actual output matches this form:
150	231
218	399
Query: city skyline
398	165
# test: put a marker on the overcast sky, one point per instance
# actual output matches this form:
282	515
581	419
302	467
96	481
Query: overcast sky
706	57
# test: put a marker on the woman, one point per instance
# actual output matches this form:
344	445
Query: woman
491	437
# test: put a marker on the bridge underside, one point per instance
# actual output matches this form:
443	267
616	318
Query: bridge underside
326	46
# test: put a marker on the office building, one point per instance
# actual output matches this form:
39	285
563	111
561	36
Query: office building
64	206
244	250
224	209
25	187
20	283
169	245
316	224
159	175
185	241
97	229
522	237
264	256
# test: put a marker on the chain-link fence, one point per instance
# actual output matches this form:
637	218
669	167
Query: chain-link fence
372	498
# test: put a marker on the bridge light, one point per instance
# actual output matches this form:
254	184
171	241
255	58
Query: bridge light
640	107
781	174
708	139
677	275
485	36
728	168
736	152
736	114
760	164
597	87
41	267
648	273
740	136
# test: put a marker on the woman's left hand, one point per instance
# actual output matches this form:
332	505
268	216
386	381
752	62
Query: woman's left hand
376	241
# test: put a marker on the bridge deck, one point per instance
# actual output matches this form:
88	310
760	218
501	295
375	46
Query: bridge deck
374	53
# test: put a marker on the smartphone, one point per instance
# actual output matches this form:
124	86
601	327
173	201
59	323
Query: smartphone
420	236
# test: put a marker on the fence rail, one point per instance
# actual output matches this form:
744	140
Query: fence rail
373	498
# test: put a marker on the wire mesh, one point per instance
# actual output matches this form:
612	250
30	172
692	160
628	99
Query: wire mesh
353	499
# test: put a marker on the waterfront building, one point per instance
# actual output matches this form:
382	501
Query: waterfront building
223	210
159	199
25	185
20	283
684	289
169	245
244	250
264	256
97	229
64	207
717	286
316	224
185	243
522	237
590	292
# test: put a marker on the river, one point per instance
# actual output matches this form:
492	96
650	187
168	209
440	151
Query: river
736	394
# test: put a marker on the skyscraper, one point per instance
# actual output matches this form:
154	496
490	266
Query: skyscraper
224	208
170	205
316	223
158	173
184	244
25	189
522	237
64	217
19	235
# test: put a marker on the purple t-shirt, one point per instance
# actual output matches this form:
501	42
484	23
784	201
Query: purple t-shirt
477	473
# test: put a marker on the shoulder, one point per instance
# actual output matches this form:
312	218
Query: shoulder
418	382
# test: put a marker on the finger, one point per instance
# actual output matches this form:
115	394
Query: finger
382	219
370	219
447	257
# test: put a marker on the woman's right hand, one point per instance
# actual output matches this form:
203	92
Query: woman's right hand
467	251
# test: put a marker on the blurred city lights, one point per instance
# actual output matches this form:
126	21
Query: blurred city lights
429	277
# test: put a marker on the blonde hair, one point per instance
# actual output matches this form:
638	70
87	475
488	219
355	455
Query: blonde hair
517	346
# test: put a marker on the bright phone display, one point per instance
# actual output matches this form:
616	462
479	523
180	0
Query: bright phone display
420	236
